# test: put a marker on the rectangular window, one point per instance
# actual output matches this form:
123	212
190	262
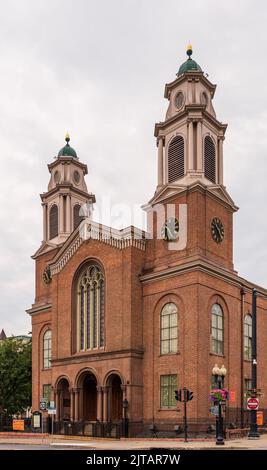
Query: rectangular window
168	385
47	392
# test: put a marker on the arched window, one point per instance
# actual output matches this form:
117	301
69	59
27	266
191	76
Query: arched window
47	349
53	221
176	159
77	218
217	329
168	329
248	337
91	308
209	159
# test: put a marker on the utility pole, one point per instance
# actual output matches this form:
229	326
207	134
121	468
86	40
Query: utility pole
253	432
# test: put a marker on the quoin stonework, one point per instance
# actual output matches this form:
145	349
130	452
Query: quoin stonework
123	318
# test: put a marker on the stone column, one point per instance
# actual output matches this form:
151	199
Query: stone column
124	396
58	404
68	172
105	403
68	214
220	160
76	404
190	146
72	404
160	162
99	404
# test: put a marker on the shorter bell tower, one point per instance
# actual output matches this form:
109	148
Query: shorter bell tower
67	193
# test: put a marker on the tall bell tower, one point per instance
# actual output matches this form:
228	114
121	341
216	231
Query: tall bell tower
67	193
190	168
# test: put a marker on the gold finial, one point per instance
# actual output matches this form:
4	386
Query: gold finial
189	50
67	137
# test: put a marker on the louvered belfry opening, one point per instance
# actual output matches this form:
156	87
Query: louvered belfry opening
209	159
176	159
77	218
53	221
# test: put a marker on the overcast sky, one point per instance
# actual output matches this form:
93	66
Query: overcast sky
98	70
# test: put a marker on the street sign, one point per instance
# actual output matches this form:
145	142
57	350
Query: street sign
51	404
43	404
52	411
214	410
18	424
253	404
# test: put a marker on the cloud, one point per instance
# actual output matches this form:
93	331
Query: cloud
98	69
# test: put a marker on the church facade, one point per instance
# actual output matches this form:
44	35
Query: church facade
123	318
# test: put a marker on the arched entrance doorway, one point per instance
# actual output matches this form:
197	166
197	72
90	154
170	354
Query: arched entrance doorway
115	398
64	399
89	394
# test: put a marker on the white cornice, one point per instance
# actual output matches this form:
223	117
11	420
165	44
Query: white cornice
200	265
119	239
36	310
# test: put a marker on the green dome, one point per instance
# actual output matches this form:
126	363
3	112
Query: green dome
67	150
188	66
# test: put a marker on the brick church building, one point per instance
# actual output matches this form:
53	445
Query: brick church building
122	318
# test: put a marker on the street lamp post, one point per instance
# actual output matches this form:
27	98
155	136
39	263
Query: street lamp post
219	374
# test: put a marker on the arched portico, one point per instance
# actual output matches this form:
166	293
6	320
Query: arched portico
63	398
87	397
114	398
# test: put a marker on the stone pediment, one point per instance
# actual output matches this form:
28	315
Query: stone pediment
171	190
164	193
118	239
45	248
221	193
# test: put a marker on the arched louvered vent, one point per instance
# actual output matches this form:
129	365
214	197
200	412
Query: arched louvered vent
209	159
53	221
77	218
176	159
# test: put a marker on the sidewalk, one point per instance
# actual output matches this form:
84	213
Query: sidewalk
135	444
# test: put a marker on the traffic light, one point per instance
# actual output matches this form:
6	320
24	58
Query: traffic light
189	395
177	395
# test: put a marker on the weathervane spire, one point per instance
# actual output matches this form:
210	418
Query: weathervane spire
189	50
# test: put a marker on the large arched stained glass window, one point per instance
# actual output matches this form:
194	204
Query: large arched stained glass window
90	308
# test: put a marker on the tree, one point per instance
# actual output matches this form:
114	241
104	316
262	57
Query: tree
15	376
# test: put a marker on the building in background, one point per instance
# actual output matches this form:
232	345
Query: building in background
121	320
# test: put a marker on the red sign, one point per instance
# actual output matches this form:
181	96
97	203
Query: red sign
232	396
253	403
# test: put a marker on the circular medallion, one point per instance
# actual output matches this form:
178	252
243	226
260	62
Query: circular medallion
217	230
76	177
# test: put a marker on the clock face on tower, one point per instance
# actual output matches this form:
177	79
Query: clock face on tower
170	230
217	230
